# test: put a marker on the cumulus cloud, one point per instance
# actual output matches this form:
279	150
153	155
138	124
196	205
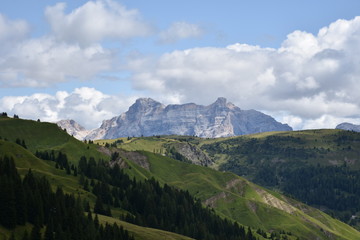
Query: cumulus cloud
11	32
180	30
43	62
313	78
85	105
72	50
95	21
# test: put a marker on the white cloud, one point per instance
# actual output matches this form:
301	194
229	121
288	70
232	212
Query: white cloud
43	62
95	21
73	50
11	33
85	105
309	76
180	30
12	30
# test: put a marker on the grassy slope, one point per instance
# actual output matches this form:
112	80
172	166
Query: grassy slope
149	144
25	160
46	136
142	233
244	201
246	206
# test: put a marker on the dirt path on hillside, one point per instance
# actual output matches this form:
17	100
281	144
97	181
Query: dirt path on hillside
235	184
211	202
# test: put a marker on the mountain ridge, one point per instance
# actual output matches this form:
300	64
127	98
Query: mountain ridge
147	117
348	126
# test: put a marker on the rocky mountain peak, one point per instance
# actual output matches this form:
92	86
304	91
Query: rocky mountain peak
221	102
73	128
142	104
70	124
147	117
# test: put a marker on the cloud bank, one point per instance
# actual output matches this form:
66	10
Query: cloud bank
44	62
85	105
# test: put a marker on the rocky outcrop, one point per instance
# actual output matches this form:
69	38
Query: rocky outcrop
192	153
348	127
147	117
73	128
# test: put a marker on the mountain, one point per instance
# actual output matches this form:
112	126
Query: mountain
348	126
73	128
147	117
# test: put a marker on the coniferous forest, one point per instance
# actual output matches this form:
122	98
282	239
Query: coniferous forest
152	205
62	216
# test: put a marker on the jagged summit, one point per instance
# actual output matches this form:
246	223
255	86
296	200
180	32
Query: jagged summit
147	117
145	104
221	101
73	128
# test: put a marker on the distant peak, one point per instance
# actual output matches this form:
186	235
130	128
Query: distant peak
145	101
221	101
67	121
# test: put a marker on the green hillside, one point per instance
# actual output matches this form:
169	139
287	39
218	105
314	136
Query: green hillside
47	136
40	136
320	167
231	196
270	158
23	154
238	199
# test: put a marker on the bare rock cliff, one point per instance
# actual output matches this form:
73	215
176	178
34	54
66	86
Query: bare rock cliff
73	128
147	117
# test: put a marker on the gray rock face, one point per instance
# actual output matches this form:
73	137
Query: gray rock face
348	127
192	153
147	117
73	128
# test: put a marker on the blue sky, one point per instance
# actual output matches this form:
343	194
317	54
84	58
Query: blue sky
89	60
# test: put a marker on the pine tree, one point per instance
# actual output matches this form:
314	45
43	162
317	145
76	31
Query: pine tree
49	231
7	202
25	235
12	237
35	233
96	221
99	206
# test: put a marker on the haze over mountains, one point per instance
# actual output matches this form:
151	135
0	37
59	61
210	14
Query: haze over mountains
147	117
